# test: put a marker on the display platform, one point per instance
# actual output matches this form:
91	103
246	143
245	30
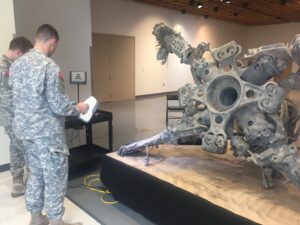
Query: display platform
185	185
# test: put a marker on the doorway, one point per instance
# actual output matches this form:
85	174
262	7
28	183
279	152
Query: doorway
113	67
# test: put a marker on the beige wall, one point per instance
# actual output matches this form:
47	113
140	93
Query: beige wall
129	18
7	27
7	24
72	18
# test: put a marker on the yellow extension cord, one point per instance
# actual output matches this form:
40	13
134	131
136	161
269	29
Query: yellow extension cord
103	192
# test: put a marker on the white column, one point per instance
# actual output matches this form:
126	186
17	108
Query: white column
7	29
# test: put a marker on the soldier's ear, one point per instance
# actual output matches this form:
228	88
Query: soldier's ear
53	41
17	54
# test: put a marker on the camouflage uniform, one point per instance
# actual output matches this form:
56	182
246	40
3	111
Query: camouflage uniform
6	117
40	105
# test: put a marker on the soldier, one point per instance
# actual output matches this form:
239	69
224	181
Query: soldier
40	105
17	47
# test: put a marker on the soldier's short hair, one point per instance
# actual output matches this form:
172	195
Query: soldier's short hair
46	32
20	43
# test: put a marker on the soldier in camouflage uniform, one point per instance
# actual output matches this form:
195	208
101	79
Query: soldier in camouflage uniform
41	105
17	47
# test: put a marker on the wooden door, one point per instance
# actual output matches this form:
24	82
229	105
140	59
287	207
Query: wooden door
100	68
113	67
122	68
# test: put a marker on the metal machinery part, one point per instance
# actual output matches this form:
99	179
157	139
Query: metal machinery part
236	103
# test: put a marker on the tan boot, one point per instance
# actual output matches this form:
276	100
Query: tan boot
61	222
18	187
38	219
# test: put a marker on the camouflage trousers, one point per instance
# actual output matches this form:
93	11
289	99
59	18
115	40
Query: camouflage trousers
47	183
17	152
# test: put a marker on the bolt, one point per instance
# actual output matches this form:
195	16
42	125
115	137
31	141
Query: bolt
201	107
200	93
265	102
271	90
220	141
220	55
266	132
208	138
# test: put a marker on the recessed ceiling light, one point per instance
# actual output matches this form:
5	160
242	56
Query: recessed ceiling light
282	2
199	5
228	1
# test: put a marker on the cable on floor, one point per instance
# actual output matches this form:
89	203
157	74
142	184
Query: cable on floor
103	190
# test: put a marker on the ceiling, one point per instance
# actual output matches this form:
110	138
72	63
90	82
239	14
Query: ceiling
247	12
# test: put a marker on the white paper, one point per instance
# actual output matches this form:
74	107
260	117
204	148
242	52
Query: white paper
93	106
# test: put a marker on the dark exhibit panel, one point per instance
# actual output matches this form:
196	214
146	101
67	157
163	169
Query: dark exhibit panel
182	184
160	201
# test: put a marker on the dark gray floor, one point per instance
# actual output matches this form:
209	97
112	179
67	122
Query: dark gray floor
132	120
105	214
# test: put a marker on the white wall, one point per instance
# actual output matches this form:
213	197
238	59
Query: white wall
72	19
130	18
7	27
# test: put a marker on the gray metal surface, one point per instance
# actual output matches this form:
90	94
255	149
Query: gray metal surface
230	102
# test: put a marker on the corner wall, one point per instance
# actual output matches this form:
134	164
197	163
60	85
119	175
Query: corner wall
7	27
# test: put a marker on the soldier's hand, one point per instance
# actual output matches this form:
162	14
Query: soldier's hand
82	107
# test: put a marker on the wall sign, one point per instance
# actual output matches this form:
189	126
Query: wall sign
78	77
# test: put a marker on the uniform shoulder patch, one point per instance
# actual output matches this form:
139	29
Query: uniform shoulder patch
61	75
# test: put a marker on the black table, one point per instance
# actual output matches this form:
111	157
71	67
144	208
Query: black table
90	153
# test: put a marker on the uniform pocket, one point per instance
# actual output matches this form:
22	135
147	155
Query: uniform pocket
57	166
